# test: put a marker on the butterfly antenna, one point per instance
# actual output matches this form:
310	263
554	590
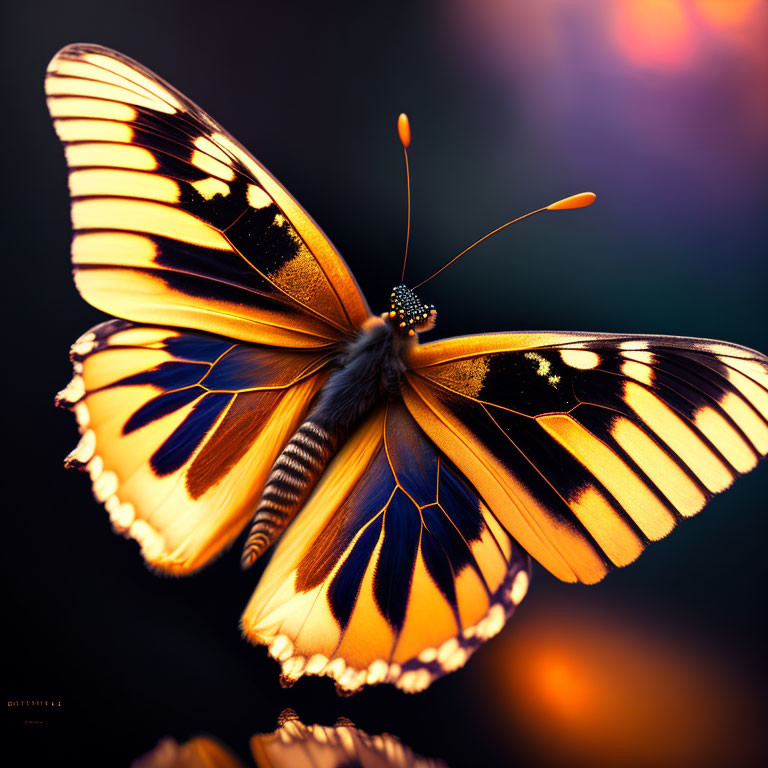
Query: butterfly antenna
581	200
404	131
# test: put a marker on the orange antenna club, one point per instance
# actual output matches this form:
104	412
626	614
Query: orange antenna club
404	131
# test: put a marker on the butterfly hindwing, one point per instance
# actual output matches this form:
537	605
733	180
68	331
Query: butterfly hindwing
179	430
176	224
589	446
394	570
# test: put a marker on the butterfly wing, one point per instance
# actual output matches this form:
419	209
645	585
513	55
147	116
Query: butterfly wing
395	570
176	224
180	428
588	446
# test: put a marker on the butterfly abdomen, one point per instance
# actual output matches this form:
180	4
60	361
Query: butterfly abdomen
293	475
369	369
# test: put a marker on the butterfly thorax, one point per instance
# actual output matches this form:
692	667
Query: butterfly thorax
371	365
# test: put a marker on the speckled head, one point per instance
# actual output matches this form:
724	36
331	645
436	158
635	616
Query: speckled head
408	313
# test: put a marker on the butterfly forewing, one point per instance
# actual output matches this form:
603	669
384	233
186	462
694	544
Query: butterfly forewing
589	446
176	224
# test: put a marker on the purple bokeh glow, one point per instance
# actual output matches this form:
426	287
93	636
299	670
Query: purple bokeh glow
670	89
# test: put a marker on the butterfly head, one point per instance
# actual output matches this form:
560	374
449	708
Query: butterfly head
408	313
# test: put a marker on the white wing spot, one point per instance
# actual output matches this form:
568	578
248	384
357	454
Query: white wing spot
257	197
580	358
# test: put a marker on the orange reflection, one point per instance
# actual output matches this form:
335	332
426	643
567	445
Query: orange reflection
199	752
292	745
295	745
605	690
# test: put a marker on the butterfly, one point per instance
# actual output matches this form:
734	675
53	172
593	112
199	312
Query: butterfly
405	486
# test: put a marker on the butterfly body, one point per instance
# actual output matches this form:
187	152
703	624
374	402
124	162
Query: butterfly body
245	372
368	370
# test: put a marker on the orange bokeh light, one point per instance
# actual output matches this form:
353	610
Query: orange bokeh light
653	32
726	13
561	687
605	690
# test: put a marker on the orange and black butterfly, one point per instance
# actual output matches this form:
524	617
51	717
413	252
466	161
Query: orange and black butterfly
247	381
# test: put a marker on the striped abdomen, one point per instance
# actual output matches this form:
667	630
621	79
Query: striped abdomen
290	481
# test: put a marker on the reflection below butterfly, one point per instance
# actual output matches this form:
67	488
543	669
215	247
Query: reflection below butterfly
247	380
293	745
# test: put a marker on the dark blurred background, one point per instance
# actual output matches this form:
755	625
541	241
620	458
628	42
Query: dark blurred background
658	106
